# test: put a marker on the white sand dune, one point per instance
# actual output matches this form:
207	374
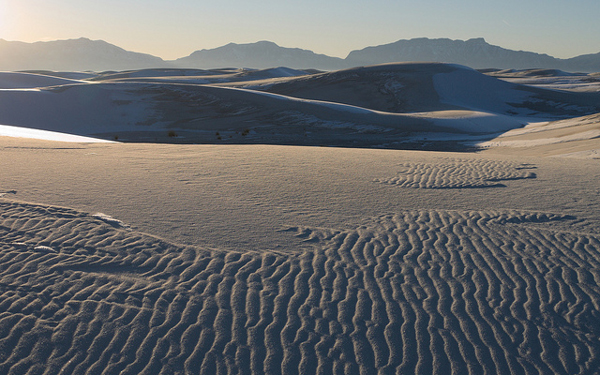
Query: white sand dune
577	137
418	87
110	109
150	258
82	109
550	78
199	76
381	106
20	132
306	262
14	80
87	75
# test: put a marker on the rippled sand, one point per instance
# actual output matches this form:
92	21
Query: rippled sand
164	259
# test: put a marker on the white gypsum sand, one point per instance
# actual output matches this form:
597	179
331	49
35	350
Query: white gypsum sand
274	259
145	258
375	106
20	132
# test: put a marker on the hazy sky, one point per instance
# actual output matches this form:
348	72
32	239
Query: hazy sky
175	28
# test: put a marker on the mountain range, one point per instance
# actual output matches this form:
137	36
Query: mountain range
98	55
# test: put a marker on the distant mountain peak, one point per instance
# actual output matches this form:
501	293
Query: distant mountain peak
263	54
266	43
477	40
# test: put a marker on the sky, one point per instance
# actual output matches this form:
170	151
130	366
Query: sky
176	28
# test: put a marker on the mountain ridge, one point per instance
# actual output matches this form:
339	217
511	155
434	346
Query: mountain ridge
260	55
98	55
475	53
72	54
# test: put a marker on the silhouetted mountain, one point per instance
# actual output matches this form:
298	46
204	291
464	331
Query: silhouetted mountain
85	54
259	55
72	54
584	63
475	53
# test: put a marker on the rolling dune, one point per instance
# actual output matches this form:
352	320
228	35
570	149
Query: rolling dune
376	106
549	78
13	81
426	87
576	137
215	76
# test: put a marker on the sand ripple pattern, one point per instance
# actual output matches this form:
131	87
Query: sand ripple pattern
422	292
459	174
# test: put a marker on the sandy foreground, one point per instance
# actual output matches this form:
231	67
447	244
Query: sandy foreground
165	259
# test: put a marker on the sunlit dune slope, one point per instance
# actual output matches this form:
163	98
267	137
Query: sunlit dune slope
578	137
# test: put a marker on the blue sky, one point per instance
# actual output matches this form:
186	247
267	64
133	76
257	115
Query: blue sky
176	28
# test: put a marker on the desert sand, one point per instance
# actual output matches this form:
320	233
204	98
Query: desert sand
246	257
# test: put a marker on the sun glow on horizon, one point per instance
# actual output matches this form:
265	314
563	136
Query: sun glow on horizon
17	22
